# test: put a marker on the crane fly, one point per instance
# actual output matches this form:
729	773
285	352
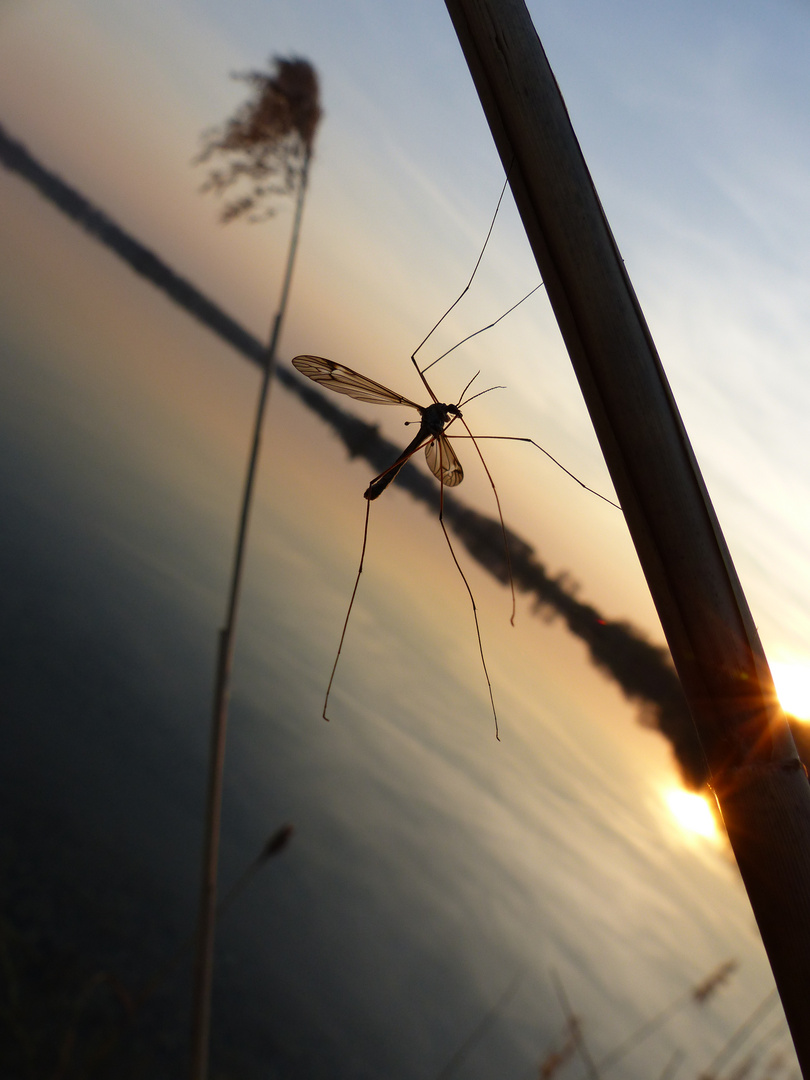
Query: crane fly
434	419
440	455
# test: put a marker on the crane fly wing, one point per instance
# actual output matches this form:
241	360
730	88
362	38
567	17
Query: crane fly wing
442	461
441	457
345	381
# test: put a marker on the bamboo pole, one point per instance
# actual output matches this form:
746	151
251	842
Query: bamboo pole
758	780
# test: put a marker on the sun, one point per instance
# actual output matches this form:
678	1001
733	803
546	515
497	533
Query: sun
792	681
692	812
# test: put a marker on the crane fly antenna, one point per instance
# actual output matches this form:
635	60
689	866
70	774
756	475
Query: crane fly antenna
480	393
466	401
461	400
467	387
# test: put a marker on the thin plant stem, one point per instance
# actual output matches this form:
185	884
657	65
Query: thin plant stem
698	994
752	1021
206	923
574	1027
481	1028
274	844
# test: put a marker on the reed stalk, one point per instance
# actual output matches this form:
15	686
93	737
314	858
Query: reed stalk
272	138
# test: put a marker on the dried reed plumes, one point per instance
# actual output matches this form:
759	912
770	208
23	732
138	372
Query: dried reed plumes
268	141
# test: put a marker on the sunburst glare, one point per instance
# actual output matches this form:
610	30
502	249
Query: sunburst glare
792	681
692	812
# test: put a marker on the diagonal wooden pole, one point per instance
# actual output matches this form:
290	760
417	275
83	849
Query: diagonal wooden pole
759	782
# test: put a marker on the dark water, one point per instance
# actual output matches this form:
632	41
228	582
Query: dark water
107	628
428	868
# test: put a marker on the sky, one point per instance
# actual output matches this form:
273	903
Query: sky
694	124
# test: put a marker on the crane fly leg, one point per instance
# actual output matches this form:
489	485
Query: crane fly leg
472	598
348	613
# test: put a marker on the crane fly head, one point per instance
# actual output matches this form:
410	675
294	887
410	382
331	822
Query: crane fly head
437	416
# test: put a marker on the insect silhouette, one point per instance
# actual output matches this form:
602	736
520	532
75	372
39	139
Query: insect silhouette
440	455
434	420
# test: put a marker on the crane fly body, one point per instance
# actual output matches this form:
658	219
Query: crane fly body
440	456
